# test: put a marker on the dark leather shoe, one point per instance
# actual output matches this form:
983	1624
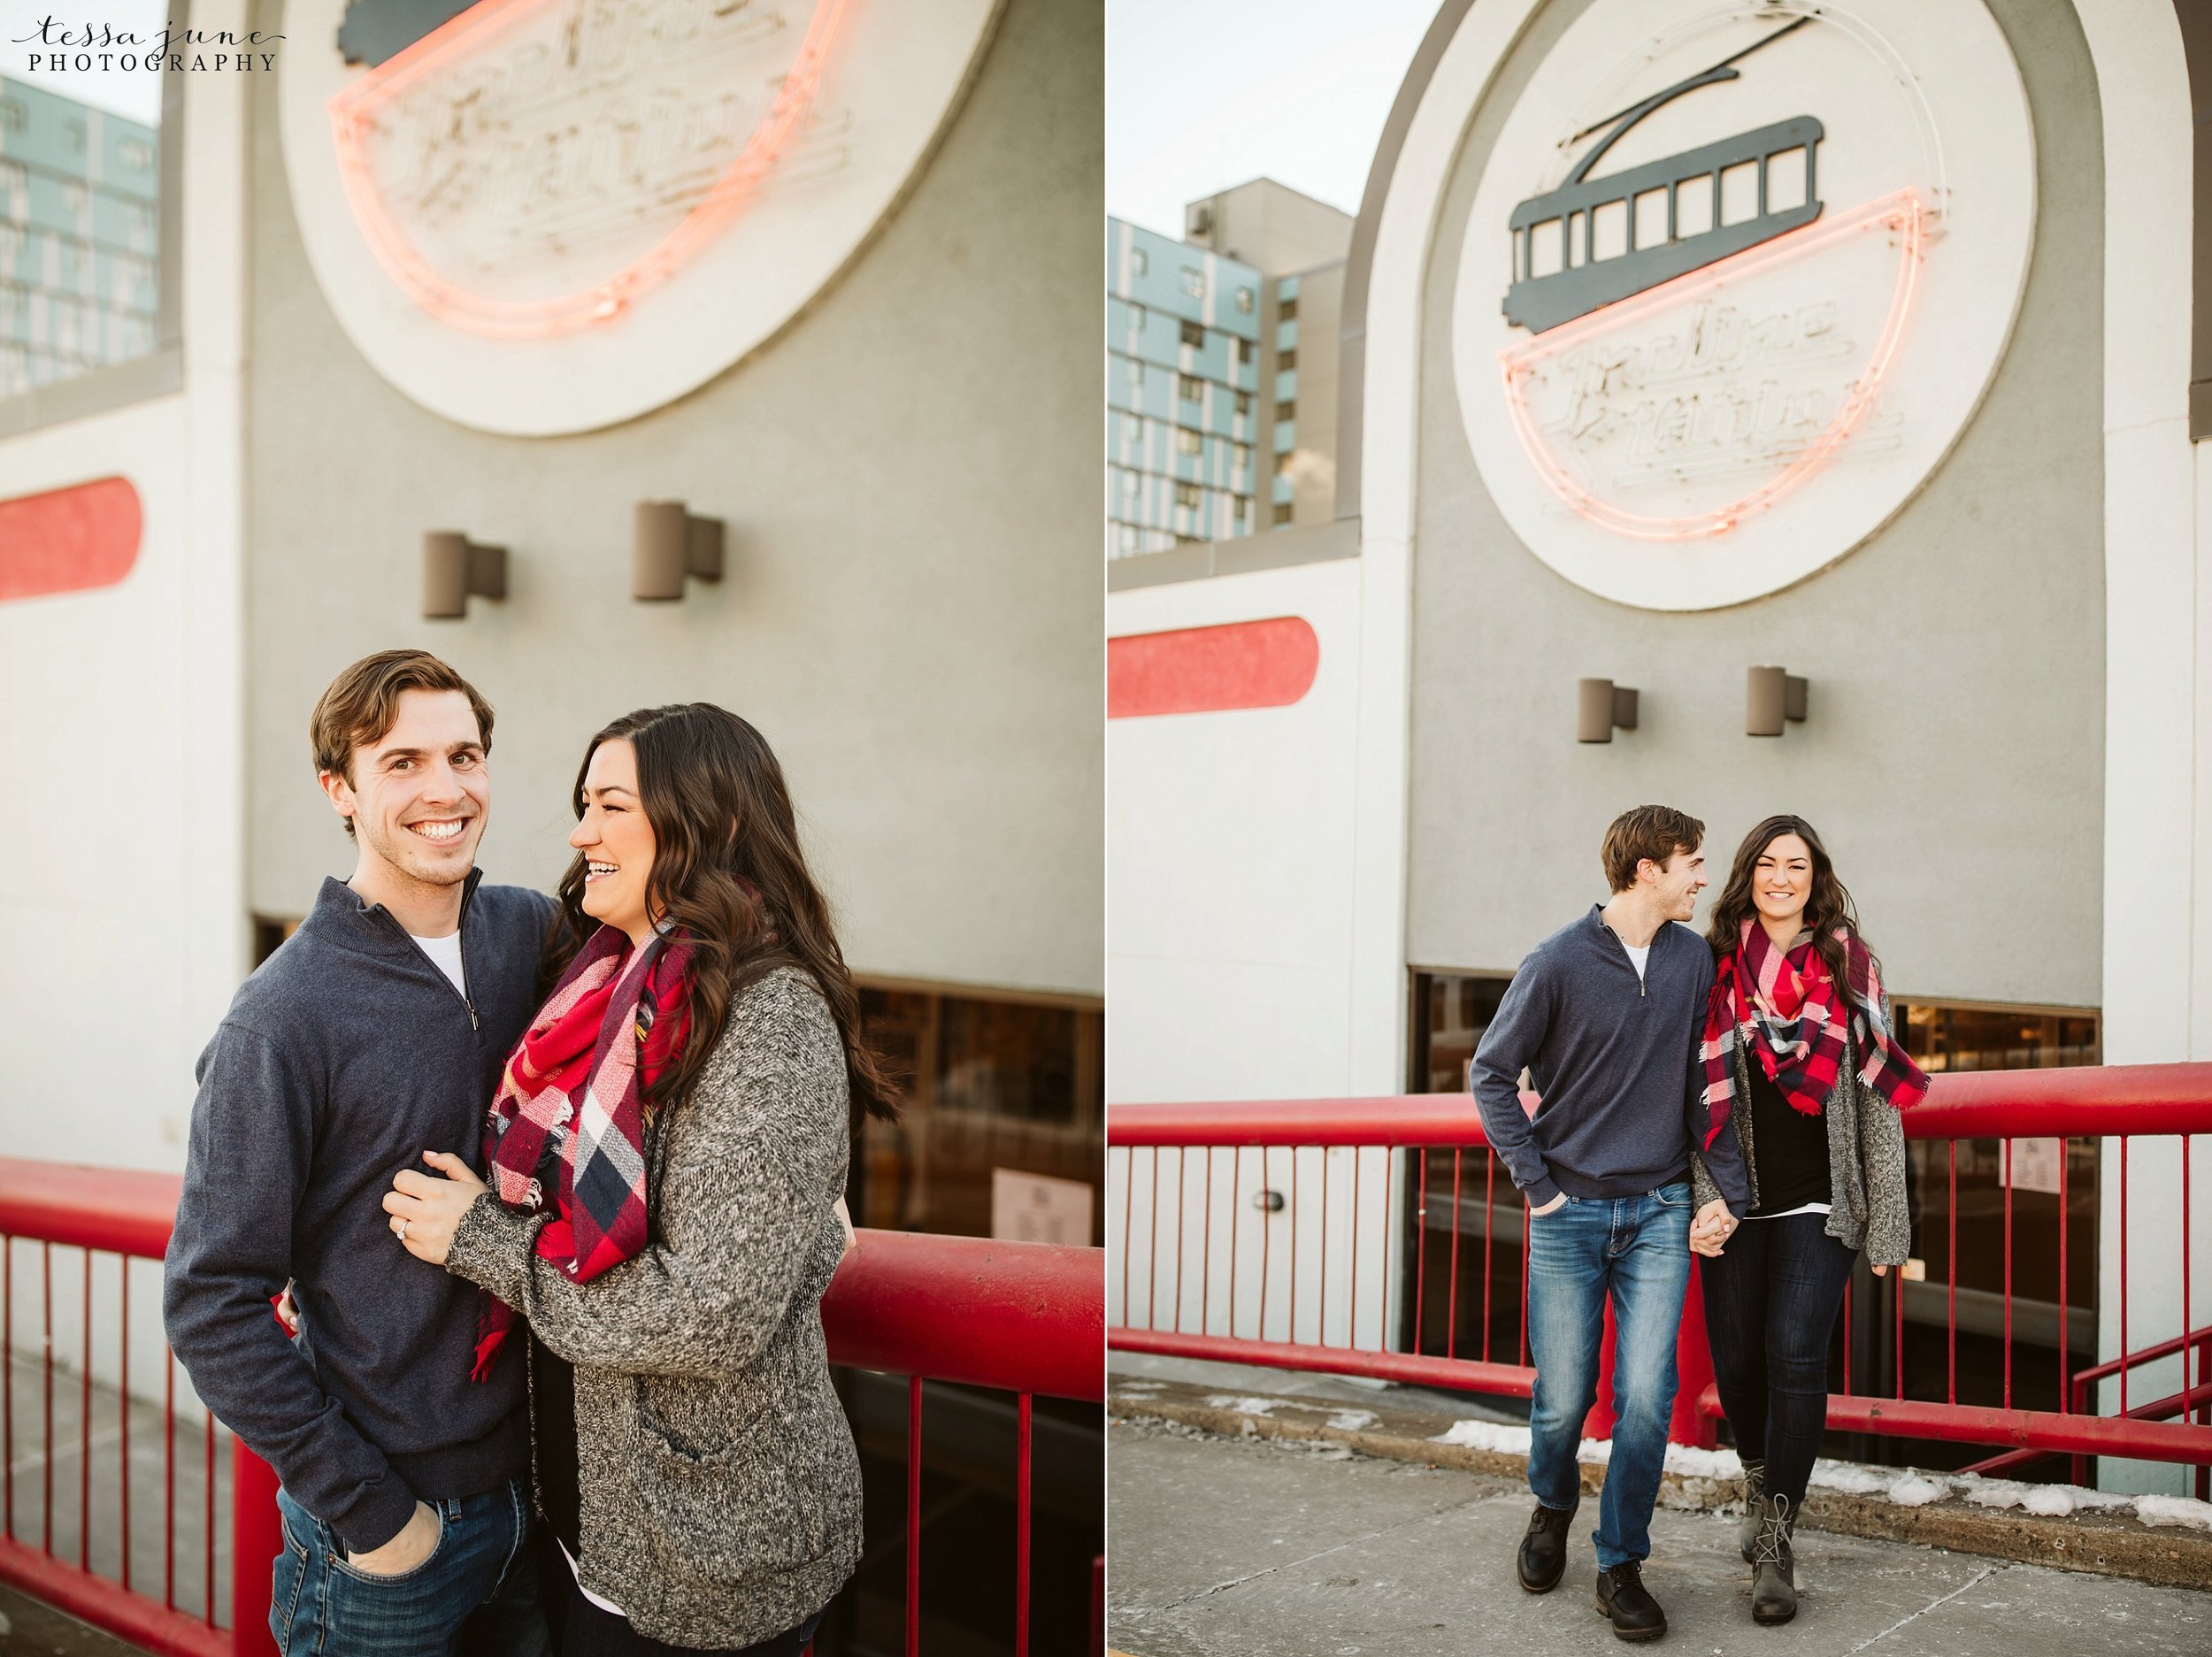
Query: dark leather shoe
1621	1596
1543	1554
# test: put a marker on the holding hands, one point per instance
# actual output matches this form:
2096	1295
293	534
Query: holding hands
1711	1228
427	1211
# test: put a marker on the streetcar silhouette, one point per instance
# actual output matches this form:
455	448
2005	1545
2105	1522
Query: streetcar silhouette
1562	225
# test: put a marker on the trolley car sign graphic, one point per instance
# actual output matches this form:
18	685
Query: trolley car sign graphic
1734	279
1677	380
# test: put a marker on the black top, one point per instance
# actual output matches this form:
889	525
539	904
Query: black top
343	1059
1790	1147
553	1401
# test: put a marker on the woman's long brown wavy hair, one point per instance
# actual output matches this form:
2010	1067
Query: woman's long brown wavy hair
721	819
1827	905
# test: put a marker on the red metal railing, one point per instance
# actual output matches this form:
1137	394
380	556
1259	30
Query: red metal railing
1184	1280
1019	1316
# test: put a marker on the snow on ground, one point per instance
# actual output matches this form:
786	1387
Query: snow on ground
1244	1405
1907	1487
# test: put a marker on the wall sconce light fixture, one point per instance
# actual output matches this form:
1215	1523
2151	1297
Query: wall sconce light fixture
1601	707
454	568
1771	694
667	544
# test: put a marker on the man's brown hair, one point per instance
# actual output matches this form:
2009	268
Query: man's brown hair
362	703
1656	831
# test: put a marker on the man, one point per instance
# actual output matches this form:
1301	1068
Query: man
375	1034
1605	1015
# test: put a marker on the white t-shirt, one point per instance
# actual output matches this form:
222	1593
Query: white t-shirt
1639	956
447	952
577	1571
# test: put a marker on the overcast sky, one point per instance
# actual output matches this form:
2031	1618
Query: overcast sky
1201	94
136	95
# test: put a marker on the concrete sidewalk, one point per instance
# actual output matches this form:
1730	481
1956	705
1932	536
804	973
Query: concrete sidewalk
1254	1548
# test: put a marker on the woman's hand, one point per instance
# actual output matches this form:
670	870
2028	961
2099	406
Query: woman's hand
425	1211
845	1219
1710	1231
1881	1271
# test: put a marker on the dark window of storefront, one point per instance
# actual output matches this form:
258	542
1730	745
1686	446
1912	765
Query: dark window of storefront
1954	1036
995	1084
1449	1012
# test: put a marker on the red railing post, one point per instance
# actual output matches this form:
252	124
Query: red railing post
1694	1370
254	1542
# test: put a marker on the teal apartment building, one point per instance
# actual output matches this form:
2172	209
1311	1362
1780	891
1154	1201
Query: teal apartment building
1185	407
80	263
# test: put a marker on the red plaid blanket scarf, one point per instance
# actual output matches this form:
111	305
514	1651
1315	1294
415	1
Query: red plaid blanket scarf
1786	1008
578	1077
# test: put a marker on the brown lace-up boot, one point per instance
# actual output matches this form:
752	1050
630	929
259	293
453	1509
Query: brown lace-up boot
1773	1562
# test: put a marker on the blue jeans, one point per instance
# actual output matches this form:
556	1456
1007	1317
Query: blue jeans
1770	1306
1637	1249
475	1596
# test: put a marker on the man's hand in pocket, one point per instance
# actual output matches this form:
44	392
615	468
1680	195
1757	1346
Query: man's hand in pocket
415	1543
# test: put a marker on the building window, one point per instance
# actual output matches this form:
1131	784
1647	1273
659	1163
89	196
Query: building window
1127	538
1190	387
1285	361
1287	411
1194	334
1130	482
92	237
1132	428
1137	316
1246	350
1243	510
1188	441
1136	371
1194	282
990	1085
1186	495
1244	405
1282	513
1287	312
1140	261
1241	453
1283	460
1244	300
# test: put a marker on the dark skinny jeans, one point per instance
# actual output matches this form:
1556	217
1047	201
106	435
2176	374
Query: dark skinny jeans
1771	1304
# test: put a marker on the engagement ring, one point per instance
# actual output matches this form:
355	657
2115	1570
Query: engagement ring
401	1231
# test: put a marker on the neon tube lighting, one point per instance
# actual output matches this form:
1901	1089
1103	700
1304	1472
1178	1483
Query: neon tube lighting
1904	211
353	114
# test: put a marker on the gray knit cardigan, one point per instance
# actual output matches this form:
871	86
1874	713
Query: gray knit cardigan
721	1489
1866	1163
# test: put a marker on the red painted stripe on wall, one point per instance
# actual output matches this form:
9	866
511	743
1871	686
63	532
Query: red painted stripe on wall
66	541
1210	670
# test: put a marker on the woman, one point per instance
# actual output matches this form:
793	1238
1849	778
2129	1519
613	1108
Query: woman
1800	1058
669	1254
